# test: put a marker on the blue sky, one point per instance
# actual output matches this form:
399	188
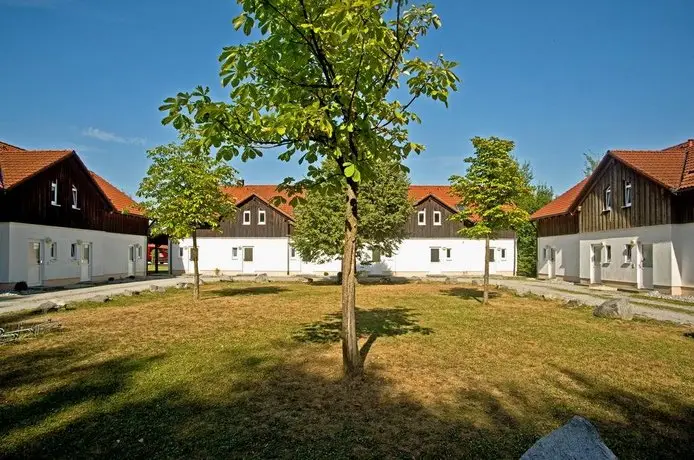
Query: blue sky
558	77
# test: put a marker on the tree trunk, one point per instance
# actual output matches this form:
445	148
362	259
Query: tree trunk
351	360
485	297
196	272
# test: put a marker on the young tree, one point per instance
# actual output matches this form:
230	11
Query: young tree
540	195
490	193
183	192
384	207
590	163
323	79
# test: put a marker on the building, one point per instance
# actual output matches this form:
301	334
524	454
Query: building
631	223
258	240
62	224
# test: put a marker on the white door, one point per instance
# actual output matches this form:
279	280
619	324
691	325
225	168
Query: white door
131	260
34	264
435	261
248	262
596	269
646	266
86	262
294	260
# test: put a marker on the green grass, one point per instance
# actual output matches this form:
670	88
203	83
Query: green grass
253	371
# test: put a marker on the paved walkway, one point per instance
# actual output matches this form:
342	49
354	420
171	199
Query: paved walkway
30	301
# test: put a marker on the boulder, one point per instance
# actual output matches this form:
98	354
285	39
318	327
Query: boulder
47	306
130	292
100	299
261	278
156	288
577	440
573	303
615	308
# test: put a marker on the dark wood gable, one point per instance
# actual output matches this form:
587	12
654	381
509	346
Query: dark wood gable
651	202
30	202
276	224
447	229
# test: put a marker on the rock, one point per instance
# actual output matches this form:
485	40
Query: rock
100	299
615	308
573	303
156	288
130	292
577	440
549	297
47	306
261	278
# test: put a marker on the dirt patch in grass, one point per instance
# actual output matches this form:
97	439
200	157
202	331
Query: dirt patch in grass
254	371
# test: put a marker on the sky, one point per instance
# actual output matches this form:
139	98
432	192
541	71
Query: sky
560	78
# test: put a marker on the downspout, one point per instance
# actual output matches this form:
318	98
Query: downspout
289	249
515	254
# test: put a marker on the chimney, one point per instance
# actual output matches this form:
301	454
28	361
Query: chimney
691	142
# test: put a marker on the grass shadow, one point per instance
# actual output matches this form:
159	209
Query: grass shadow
373	323
470	293
246	291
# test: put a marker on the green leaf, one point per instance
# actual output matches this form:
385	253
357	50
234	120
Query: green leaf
349	169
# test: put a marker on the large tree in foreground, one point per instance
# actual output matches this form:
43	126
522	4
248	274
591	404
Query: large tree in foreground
183	192
491	191
384	207
332	79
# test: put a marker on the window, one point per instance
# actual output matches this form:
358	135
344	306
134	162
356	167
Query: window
437	217
131	253
234	253
503	254
292	252
139	251
73	251
608	254
608	199
180	252
261	217
54	193
627	194
628	252
422	217
246	217
435	255
54	251
448	253
492	254
86	256
375	255
248	254
544	253
74	198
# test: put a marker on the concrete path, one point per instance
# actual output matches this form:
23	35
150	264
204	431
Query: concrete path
30	301
647	308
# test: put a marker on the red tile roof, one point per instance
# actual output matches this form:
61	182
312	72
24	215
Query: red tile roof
4	146
561	204
120	201
442	192
16	166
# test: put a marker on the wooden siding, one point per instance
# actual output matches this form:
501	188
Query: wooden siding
447	229
30	202
651	203
276	224
558	225
683	208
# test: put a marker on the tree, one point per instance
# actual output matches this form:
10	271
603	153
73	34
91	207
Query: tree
322	79
384	207
490	192
183	192
539	196
590	163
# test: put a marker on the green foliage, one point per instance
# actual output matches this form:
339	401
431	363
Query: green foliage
493	189
182	189
318	83
384	208
590	163
540	195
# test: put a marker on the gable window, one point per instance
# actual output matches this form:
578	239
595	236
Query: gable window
503	254
246	217
435	255
234	253
448	253
74	198
54	193
54	251
422	217
261	217
628	253
437	217
608	200
627	194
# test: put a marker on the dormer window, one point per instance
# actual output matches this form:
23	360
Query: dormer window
54	193
608	200
437	217
246	217
261	217
627	194
422	217
74	198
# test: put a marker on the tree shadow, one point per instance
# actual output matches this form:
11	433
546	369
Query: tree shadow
470	293
247	291
373	323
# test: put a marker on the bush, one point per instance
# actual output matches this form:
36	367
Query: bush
21	286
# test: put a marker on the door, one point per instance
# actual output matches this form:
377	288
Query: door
35	264
435	261
248	262
646	266
86	262
131	260
596	269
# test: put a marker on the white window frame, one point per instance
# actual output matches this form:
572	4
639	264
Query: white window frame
246	214
74	251
628	253
292	252
544	253
449	253
234	253
502	256
180	252
607	196
139	251
628	193
607	253
422	217
74	198
261	217
54	193
53	251
437	217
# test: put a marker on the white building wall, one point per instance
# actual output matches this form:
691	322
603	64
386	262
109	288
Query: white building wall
4	251
109	253
566	264
683	244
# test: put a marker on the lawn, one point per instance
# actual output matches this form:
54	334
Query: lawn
253	371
